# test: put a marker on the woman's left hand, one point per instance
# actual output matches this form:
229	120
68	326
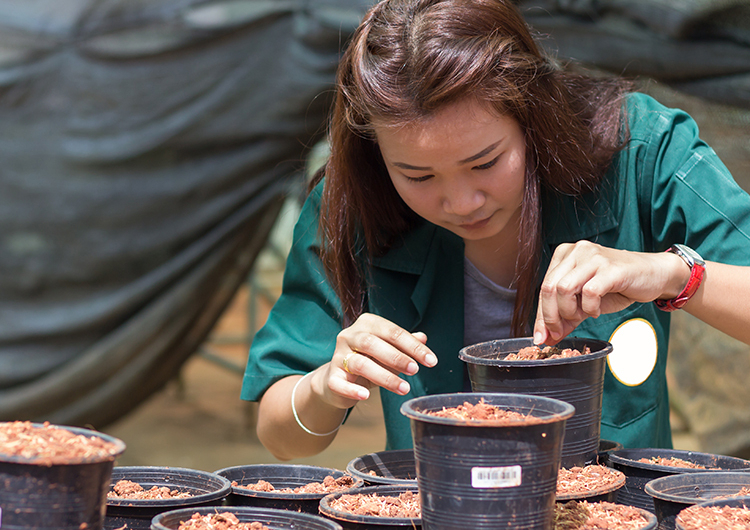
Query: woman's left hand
586	280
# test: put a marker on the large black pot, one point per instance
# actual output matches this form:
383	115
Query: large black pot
575	380
482	474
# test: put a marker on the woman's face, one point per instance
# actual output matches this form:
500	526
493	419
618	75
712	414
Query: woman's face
462	169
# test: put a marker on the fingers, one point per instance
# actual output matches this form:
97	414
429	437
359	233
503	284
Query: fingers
559	299
586	280
582	281
375	351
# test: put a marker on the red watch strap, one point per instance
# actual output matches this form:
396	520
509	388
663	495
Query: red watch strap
696	277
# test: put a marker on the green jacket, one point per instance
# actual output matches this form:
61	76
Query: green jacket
666	187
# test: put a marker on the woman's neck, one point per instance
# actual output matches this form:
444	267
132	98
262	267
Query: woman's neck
495	257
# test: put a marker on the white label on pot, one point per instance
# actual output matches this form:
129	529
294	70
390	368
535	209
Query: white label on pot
496	477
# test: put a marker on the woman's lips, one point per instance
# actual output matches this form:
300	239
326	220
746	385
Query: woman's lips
476	225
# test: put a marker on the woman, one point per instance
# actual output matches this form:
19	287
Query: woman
476	191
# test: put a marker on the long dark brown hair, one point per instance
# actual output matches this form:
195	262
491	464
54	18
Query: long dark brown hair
410	58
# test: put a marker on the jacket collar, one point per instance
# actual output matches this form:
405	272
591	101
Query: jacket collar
426	252
570	219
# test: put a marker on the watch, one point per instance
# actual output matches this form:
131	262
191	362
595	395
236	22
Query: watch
697	268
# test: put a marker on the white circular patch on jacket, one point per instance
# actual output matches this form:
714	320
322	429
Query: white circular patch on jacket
634	351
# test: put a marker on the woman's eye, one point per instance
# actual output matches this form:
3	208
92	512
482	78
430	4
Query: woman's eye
489	164
419	179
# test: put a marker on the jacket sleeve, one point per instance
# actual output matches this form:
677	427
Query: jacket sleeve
300	333
692	198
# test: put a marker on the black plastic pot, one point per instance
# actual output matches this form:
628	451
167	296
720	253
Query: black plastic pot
486	474
389	467
56	497
607	447
206	489
350	521
673	493
279	476
606	493
274	519
738	502
640	473
575	380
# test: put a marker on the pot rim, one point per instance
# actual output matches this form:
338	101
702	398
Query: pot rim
321	473
603	490
564	410
395	489
725	478
629	457
119	448
600	348
224	487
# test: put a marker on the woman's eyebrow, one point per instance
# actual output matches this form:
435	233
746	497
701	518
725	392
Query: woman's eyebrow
481	153
472	158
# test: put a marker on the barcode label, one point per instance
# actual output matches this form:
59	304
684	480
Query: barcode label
496	477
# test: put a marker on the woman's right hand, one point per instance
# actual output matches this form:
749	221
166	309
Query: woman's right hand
373	352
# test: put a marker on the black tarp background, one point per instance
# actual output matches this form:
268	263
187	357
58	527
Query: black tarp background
146	147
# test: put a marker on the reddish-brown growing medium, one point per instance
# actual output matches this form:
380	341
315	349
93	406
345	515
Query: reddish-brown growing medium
484	412
673	462
329	485
725	517
406	505
48	445
587	480
535	353
582	515
219	521
126	489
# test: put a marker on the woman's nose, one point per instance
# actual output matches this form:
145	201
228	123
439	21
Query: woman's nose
463	201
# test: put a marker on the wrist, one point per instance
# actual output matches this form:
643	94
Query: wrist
296	414
696	268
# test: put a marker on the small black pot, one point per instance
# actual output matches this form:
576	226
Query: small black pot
737	502
279	476
275	519
206	489
350	521
575	380
61	496
640	473
390	467
673	493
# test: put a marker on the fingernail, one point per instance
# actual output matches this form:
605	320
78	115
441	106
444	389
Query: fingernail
430	359
403	388
363	394
537	338
412	368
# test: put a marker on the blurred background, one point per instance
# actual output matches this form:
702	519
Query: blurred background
153	156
